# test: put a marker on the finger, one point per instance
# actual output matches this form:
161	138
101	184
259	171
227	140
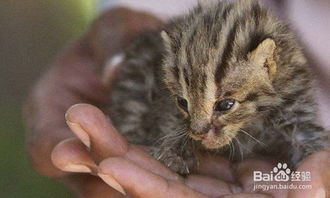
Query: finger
72	156
40	148
138	156
116	29
74	73
72	78
110	71
88	186
139	182
218	167
90	125
244	175
211	186
244	171
318	164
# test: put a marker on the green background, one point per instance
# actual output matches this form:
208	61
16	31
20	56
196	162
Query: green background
32	32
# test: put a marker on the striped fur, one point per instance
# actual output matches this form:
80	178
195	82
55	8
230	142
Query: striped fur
234	50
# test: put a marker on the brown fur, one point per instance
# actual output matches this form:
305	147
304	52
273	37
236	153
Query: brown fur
226	50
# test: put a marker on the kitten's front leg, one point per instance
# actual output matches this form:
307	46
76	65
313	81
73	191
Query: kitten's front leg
180	158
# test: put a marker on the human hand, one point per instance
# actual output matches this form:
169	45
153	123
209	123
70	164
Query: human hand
318	164
128	168
72	78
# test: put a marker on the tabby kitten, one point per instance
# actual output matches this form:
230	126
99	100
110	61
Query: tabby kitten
228	78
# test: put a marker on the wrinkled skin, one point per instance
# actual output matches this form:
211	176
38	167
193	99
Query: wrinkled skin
101	150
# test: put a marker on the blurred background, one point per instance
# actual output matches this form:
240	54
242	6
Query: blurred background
32	32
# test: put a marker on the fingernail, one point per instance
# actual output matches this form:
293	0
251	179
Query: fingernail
112	182
115	60
77	168
110	65
80	133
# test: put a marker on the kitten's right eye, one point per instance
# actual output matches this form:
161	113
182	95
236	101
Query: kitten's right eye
183	103
224	105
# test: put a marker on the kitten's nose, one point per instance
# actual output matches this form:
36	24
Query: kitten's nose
206	129
201	129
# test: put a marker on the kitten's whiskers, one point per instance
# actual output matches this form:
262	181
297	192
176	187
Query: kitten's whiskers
248	134
239	144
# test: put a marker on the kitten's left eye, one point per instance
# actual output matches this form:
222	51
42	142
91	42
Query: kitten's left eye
224	105
183	103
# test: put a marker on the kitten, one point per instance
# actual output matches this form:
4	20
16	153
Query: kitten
228	78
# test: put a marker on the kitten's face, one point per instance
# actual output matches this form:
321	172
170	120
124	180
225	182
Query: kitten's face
218	102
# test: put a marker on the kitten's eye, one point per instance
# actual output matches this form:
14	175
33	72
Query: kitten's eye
224	105
182	103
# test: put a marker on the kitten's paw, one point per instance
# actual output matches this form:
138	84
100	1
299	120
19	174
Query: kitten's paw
182	164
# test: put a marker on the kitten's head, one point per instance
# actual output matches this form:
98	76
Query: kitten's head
220	69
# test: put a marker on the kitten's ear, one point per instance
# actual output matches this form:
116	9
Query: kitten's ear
264	55
166	40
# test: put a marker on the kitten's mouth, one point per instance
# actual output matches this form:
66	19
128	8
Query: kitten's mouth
211	139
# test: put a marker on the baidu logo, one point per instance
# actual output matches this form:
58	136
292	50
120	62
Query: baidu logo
281	172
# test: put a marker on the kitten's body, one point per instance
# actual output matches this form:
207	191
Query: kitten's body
214	53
